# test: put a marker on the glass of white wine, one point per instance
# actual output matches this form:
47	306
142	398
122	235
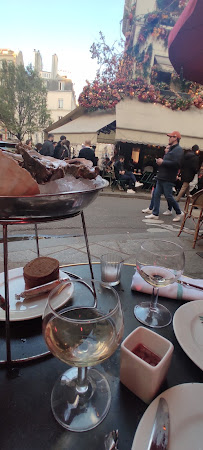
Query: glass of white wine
83	332
160	263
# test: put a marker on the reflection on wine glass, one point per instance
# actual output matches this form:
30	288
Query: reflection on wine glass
84	332
159	263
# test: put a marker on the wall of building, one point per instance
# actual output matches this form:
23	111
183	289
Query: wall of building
60	103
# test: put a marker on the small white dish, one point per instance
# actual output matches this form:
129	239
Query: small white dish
25	309
143	379
186	418
188	329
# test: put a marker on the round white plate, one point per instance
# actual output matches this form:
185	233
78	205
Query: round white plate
25	309
188	328
186	418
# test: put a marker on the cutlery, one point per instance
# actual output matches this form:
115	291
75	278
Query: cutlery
160	431
111	440
189	285
40	290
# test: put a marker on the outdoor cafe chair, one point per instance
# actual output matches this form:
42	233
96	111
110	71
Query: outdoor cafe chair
193	210
148	180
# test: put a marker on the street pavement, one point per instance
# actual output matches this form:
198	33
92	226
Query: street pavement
114	222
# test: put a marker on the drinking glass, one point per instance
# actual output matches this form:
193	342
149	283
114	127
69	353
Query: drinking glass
159	263
111	265
83	332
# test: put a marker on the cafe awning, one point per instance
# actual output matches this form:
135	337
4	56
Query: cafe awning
148	123
93	126
185	42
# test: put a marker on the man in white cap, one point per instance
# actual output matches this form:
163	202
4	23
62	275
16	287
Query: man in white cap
166	177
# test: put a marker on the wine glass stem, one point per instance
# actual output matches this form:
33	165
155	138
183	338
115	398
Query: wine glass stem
154	299
82	381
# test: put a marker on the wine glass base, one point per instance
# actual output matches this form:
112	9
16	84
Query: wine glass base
80	411
158	317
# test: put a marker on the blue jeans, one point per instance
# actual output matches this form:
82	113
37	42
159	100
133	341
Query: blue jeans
166	188
130	178
151	206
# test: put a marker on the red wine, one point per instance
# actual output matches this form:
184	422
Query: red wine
147	355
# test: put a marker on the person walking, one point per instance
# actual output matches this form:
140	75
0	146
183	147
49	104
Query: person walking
149	210
189	167
88	153
166	177
48	148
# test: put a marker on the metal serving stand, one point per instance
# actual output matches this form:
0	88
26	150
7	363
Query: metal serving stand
34	210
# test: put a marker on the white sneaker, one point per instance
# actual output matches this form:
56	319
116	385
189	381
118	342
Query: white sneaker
130	191
138	184
152	216
147	210
167	213
178	217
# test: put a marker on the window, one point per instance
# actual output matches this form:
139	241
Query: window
61	86
10	135
135	154
60	103
60	117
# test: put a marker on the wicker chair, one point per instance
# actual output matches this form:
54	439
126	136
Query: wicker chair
193	210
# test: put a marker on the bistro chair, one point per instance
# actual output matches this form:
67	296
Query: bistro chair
122	185
193	210
109	176
148	180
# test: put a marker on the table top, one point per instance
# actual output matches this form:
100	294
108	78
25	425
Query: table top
27	421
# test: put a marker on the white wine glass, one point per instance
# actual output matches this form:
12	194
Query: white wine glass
160	263
83	332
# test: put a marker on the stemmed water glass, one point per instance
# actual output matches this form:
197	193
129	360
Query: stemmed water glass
160	263
83	332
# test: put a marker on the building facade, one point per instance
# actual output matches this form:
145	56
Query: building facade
60	92
10	57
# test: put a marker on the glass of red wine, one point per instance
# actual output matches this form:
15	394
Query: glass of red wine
160	263
82	326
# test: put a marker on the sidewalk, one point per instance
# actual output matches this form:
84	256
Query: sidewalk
139	193
72	249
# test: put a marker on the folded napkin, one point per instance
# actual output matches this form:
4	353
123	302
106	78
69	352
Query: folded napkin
175	290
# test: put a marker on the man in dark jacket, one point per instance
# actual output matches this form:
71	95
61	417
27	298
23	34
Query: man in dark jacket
166	177
48	148
189	167
88	153
125	176
62	149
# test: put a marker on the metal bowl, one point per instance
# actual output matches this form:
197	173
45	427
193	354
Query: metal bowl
46	207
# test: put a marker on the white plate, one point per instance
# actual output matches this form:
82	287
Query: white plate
186	418
188	328
26	309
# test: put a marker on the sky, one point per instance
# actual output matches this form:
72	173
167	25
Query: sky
67	28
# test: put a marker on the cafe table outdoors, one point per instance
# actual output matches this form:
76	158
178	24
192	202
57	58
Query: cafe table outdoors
27	421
